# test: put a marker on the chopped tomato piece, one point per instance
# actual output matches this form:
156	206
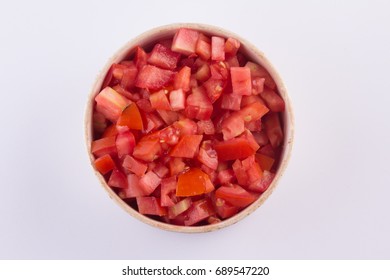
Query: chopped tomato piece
150	206
251	139
184	41
232	126
187	147
110	103
149	182
235	195
177	99
208	156
206	127
99	122
163	57
203	47
258	71
253	112
182	79
261	138
168	189
264	161
159	100
257	85
231	46
179	208
117	179
224	209
130	164
110	131
273	129
217	48
104	164
153	78
214	88
161	170
199	211
186	127
104	146
203	73
140	58
176	166
147	149
169	117
131	117
262	184
128	77
231	102
198	105
273	100
193	182
170	135
236	148
225	176
133	188
241	80
125	143
219	71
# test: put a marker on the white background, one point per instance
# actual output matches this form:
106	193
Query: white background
333	201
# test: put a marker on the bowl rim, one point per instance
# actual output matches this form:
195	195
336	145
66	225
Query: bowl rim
151	36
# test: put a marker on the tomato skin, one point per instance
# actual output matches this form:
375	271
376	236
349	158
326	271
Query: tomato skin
273	129
104	146
150	206
193	182
131	117
187	147
235	195
236	148
104	164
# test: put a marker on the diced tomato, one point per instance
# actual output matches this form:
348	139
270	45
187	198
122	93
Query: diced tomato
236	148
235	195
273	129
153	122
176	166
273	100
110	103
131	117
254	173
131	96
169	117
104	146
186	127
110	131
140	58
214	88
108	78
231	46
207	155
125	143
232	62
219	71
193	182
133	188
150	206
206	127
231	101
232	126
225	176
130	164
168	189
257	85
161	170
149	182
144	105
253	112
241	80
224	209
267	150
203	73
184	41
128	77
147	149
199	211
240	173
99	122
249	99
198	105
261	138
217	48
153	78
163	57
203	47
170	135
264	161
262	184
159	100
104	164
258	71
182	79
177	99
179	207
117	179
187	147
251	139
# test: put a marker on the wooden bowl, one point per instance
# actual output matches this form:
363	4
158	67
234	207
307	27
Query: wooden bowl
152	36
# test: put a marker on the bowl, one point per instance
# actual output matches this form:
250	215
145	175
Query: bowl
251	52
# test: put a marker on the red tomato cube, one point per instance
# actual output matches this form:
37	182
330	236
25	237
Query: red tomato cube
241	80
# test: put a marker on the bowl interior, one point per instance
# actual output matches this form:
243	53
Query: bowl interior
252	53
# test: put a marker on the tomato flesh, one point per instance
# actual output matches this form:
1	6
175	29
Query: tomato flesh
188	130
